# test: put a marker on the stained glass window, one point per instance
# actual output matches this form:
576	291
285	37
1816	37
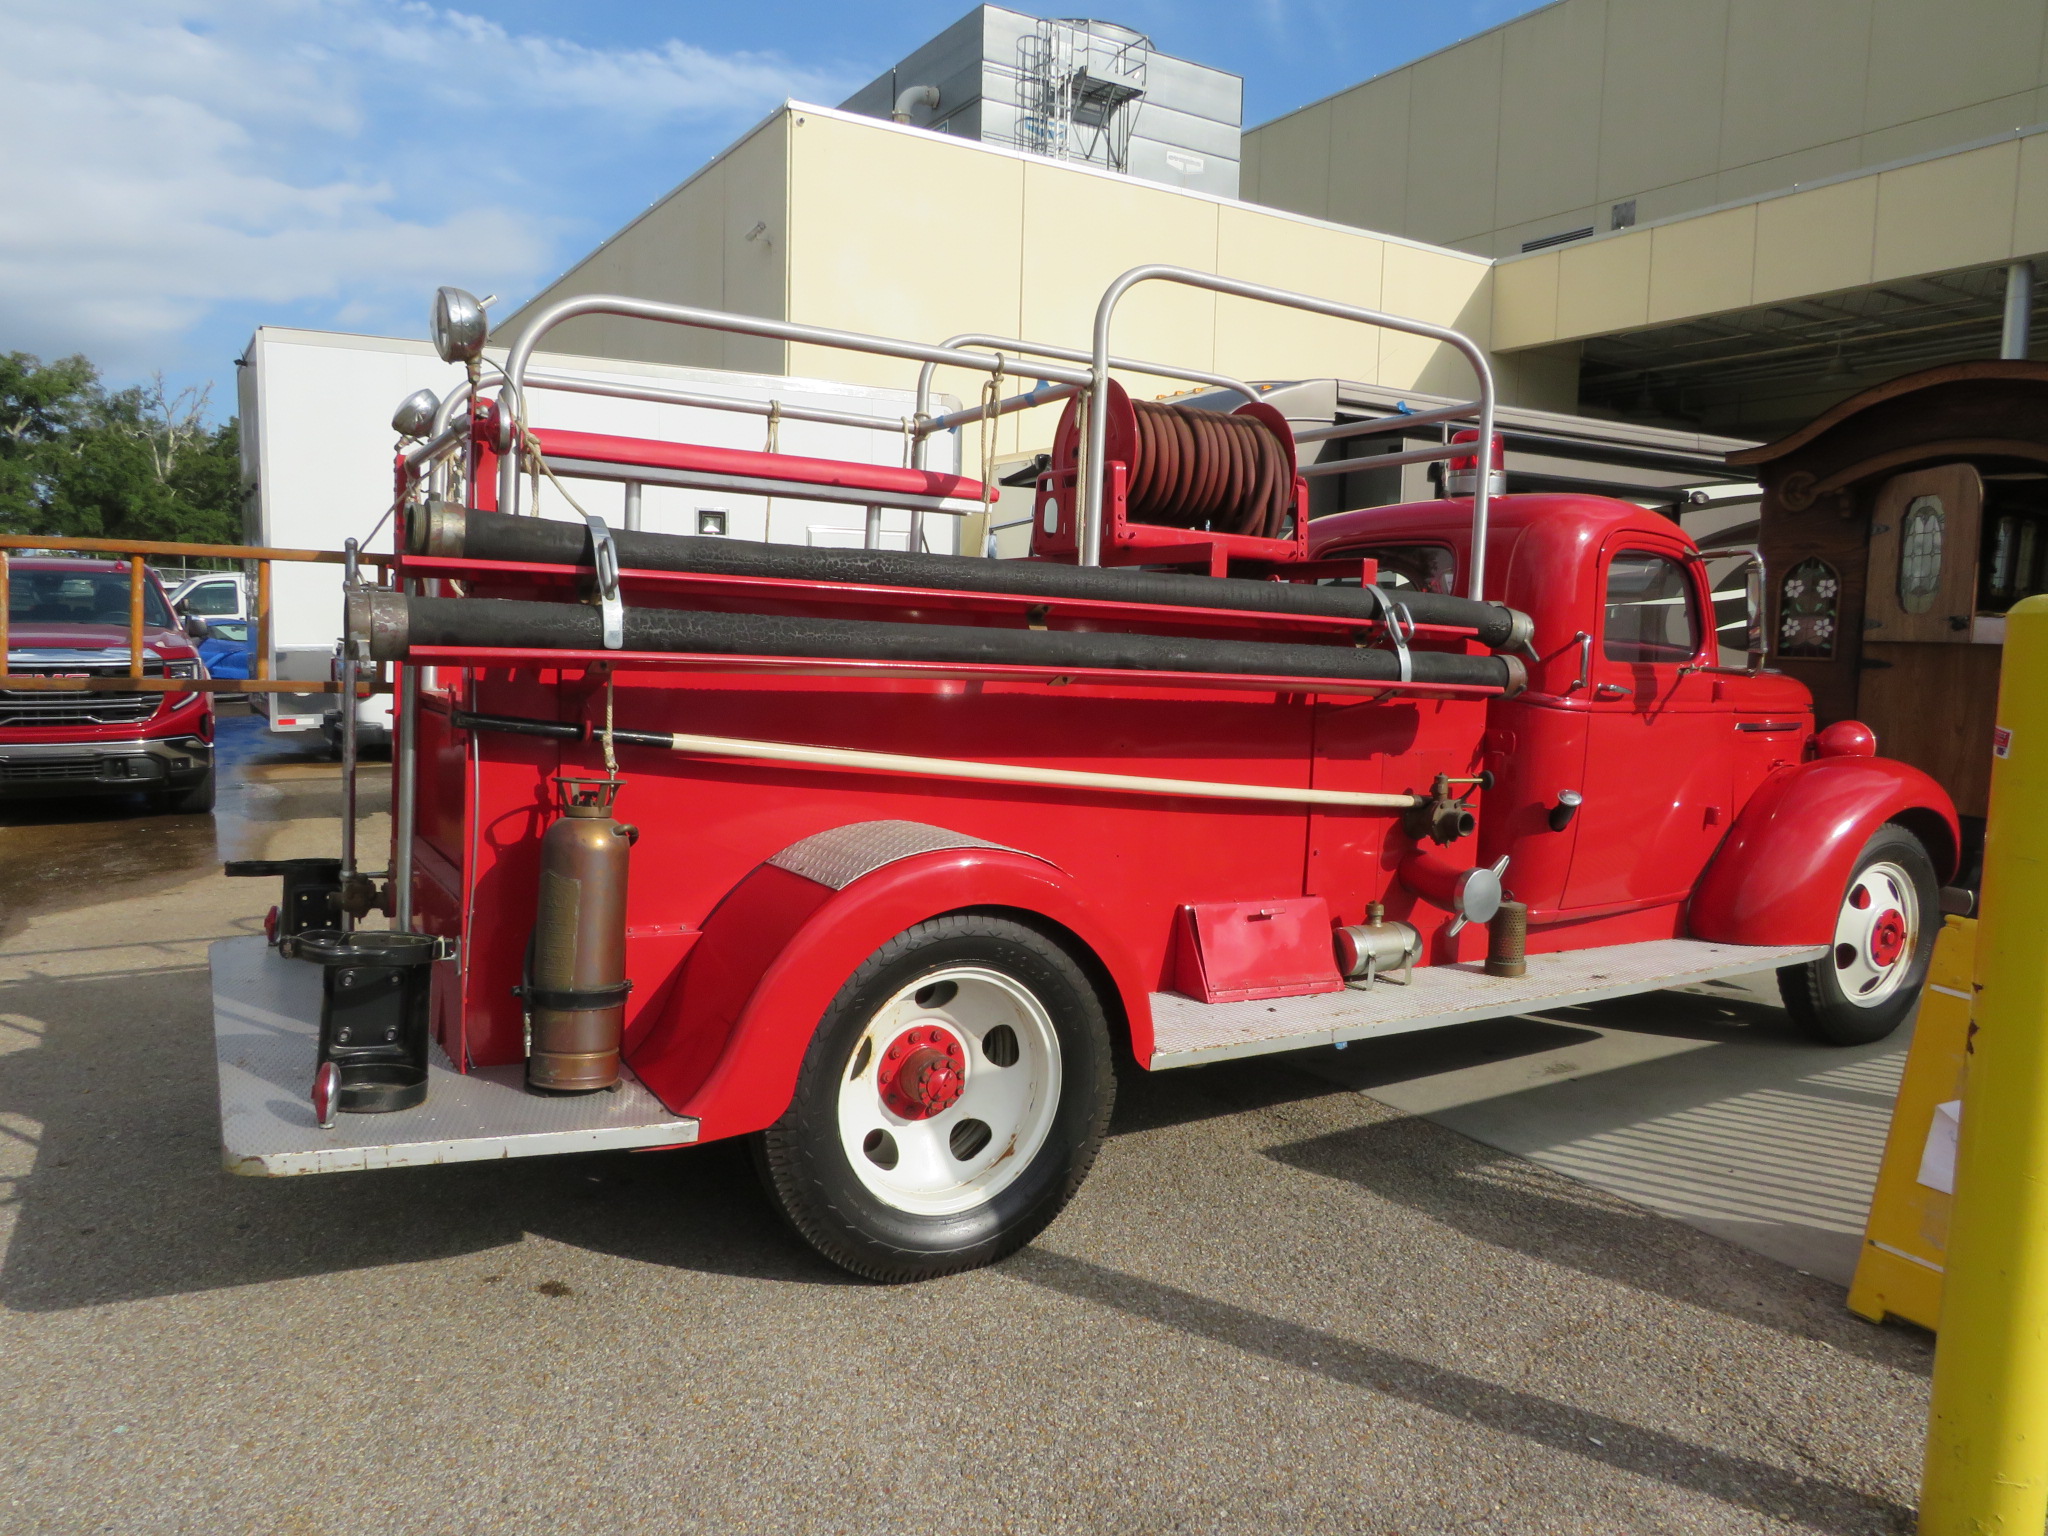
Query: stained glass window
1809	604
1920	554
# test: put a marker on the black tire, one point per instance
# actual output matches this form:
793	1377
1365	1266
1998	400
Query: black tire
1815	994
197	800
805	1160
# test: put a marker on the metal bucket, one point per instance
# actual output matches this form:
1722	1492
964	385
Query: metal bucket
373	1014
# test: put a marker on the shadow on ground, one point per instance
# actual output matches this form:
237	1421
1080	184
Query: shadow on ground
1743	1481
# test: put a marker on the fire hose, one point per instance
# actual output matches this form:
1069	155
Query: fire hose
1200	469
446	531
394	622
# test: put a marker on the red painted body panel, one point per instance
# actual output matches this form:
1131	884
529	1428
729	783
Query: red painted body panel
780	947
1780	878
734	959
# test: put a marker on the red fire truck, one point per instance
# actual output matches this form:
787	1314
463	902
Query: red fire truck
882	859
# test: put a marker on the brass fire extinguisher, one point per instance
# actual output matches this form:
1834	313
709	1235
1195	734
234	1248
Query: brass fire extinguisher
576	984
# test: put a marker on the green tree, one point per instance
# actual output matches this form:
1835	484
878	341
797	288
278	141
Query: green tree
76	458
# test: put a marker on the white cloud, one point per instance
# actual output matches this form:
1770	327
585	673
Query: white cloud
170	162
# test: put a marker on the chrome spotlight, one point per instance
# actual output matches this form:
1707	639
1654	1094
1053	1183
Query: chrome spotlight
460	327
415	414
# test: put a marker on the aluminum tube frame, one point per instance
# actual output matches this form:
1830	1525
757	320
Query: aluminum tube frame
1089	533
633	514
1373	426
749	325
1044	394
926	425
405	791
350	757
564	383
1386	460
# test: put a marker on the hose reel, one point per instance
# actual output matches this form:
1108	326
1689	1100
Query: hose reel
1208	473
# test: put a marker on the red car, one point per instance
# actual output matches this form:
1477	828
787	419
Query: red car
69	617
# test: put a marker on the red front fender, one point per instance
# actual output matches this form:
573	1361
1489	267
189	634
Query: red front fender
1780	875
778	949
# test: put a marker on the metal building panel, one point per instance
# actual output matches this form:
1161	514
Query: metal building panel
1195	89
1163	125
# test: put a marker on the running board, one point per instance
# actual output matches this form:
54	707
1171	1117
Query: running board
266	1031
1186	1033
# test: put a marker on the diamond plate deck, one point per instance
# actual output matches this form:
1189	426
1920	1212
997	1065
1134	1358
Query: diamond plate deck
1186	1033
266	1027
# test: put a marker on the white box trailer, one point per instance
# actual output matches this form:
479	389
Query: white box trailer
317	452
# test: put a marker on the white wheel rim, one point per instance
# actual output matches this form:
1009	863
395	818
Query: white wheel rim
914	1164
1876	935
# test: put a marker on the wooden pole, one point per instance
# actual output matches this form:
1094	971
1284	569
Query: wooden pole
262	620
135	615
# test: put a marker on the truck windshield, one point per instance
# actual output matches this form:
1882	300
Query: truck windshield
80	597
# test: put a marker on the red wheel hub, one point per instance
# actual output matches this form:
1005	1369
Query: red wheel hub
1888	938
922	1072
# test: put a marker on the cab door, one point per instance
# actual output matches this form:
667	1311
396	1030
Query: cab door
1658	771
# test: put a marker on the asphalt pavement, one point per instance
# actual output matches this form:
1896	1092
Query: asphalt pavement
1280	1304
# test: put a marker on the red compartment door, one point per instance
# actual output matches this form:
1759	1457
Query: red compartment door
1234	951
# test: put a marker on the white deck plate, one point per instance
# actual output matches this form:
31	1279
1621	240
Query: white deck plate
1187	1033
266	1029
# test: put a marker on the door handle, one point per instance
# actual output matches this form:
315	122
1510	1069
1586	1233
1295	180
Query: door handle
1609	691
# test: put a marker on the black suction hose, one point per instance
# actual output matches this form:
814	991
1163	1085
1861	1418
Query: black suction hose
542	541
395	622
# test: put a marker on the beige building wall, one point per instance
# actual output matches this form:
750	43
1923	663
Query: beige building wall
922	235
1543	124
891	230
1974	208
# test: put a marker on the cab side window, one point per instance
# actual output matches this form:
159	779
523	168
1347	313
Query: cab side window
1650	611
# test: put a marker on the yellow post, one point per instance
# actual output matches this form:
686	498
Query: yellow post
1987	1441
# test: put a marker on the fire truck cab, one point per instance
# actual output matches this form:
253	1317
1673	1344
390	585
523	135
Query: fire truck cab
883	858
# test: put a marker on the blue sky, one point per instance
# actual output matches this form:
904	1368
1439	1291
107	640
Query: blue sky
181	171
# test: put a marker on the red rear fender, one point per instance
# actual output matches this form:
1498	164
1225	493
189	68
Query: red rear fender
777	950
1780	875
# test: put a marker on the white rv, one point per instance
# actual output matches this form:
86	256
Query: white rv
318	446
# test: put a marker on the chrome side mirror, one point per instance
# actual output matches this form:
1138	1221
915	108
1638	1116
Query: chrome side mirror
1754	642
197	628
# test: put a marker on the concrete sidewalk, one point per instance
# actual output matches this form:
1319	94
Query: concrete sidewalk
1279	1304
1704	1104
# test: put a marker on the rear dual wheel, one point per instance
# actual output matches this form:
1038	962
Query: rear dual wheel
1869	981
950	1103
